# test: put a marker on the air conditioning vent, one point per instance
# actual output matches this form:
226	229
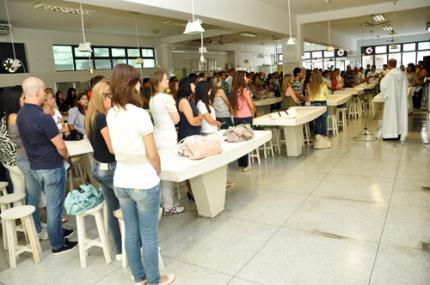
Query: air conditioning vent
4	28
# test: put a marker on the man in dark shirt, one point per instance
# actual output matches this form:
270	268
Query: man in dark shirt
146	92
297	85
46	152
350	80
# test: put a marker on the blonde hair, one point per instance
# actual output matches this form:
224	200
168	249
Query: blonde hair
315	84
95	106
288	81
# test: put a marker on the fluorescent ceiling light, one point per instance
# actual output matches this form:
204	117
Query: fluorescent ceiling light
291	41
378	18
249	35
62	9
387	28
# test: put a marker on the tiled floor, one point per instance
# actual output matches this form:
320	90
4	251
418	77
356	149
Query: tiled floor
354	214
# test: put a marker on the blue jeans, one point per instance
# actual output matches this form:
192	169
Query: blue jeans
32	187
53	183
140	208
226	122
243	161
321	121
105	178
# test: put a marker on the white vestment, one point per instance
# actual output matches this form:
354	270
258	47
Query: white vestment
394	89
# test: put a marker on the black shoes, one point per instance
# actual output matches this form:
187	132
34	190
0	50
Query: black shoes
68	245
68	233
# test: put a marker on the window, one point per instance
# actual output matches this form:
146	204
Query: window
422	54
69	58
317	54
380	60
307	55
329	64
397	49
63	58
409	57
381	49
409	47
280	58
423	45
397	57
328	53
367	59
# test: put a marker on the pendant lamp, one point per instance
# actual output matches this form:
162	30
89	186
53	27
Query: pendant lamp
194	26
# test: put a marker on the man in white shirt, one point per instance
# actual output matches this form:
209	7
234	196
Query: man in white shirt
394	89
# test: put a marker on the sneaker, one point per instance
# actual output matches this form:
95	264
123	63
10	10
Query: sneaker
68	233
318	138
245	169
68	245
173	211
43	235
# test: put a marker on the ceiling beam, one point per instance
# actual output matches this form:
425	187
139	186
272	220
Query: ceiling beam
362	11
207	34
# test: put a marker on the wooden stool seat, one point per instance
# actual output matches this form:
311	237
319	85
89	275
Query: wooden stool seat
9	217
3	190
6	201
12	198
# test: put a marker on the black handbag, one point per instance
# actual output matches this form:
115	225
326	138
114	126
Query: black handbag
74	135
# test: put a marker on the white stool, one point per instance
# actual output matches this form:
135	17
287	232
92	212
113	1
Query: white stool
268	146
332	125
354	111
6	202
307	135
119	216
276	139
74	170
3	190
84	243
255	154
9	217
341	118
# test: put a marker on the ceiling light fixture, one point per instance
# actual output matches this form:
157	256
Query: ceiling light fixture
330	47
194	25
248	35
291	40
11	64
138	60
67	10
202	50
85	46
378	18
428	27
387	27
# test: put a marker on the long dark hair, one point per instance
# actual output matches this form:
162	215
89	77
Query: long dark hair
123	81
69	98
81	108
184	89
202	90
239	85
11	100
306	81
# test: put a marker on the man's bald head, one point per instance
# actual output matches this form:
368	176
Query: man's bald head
392	63
34	90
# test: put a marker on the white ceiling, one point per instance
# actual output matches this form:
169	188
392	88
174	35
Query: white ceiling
105	20
299	7
404	23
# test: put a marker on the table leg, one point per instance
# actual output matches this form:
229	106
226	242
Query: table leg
294	140
209	192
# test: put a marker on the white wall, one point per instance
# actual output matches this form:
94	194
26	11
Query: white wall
38	44
190	60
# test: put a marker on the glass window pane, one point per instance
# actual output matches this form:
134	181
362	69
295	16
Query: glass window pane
147	52
317	63
329	64
307	55
328	53
63	58
148	63
307	64
133	52
409	57
340	63
103	64
82	64
409	47
118	52
398	57
381	49
133	63
422	54
317	54
424	45
367	59
280	58
118	61
380	60
81	54
396	49
101	52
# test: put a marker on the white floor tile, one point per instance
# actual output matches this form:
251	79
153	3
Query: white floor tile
374	168
358	220
295	257
399	266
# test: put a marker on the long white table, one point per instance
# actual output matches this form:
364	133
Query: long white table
338	98
293	127
263	105
208	177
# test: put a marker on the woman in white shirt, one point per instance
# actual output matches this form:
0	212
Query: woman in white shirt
165	116
136	177
209	124
49	108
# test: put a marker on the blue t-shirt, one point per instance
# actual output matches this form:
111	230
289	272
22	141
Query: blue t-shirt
37	129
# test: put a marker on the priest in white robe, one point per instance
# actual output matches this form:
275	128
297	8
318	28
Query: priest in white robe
394	89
